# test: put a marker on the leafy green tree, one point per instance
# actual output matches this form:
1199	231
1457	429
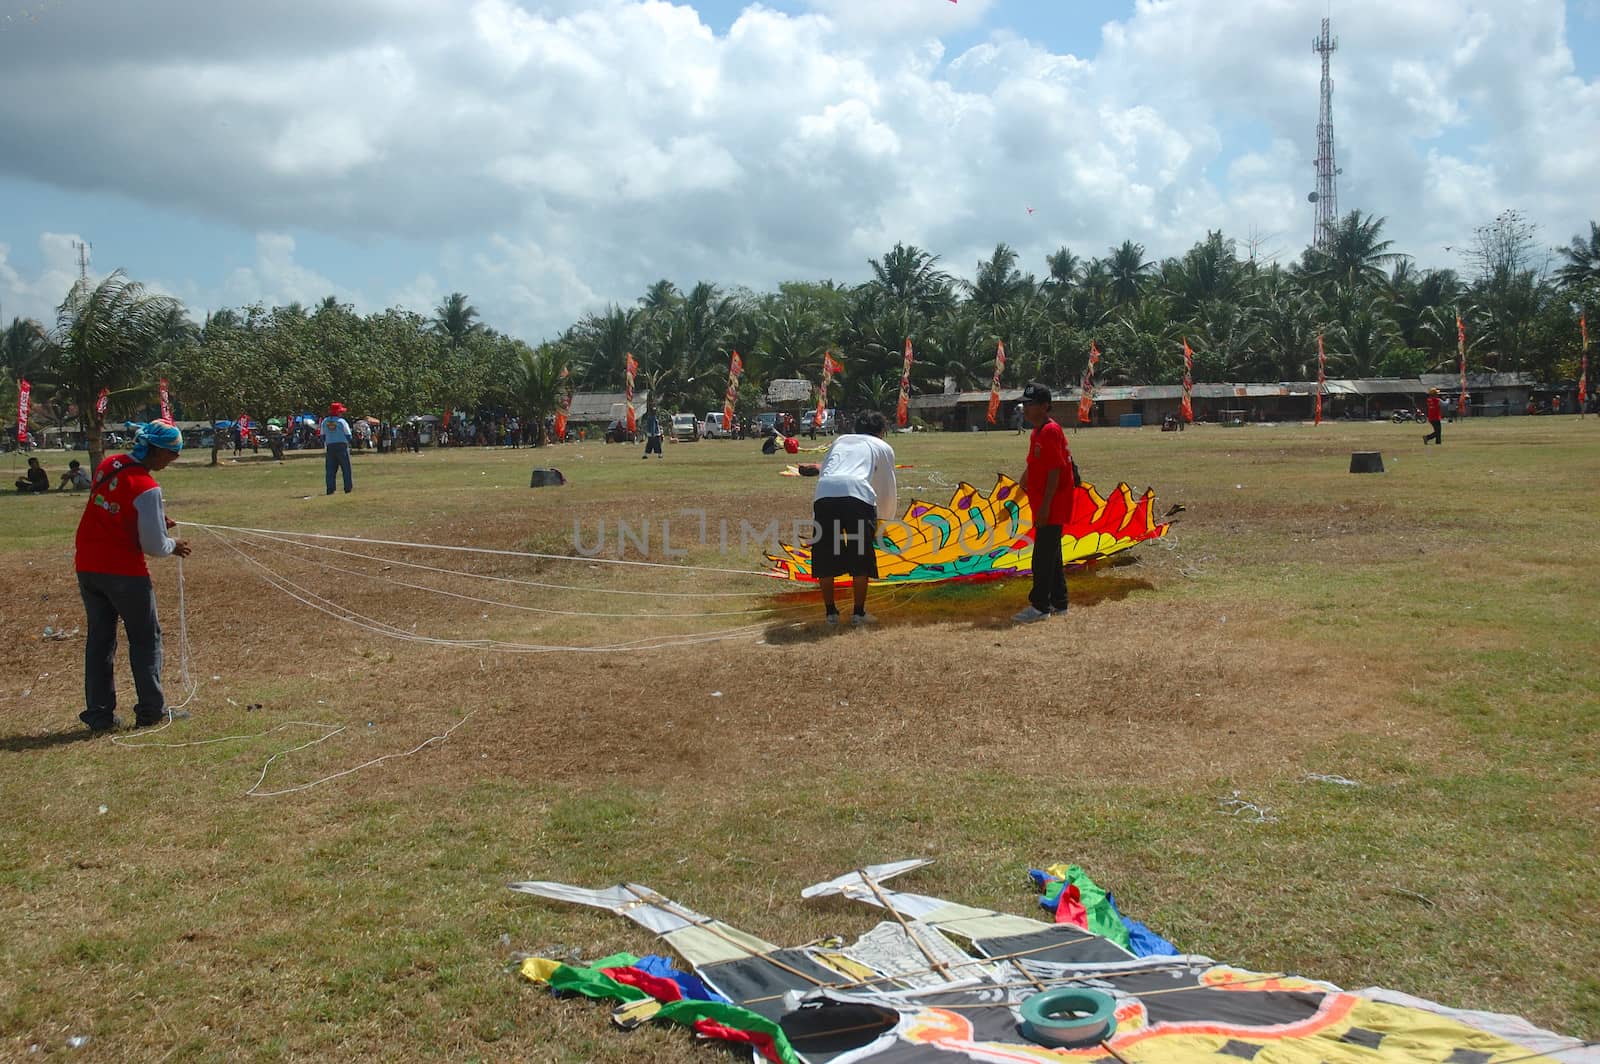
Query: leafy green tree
538	384
1356	255
107	335
1582	269
1127	270
456	319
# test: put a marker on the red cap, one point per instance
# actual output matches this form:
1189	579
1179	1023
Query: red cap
336	409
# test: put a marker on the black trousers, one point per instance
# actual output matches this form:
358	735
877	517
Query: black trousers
652	445
132	600
1049	578
1437	435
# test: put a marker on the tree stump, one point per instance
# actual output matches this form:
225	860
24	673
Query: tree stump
1366	461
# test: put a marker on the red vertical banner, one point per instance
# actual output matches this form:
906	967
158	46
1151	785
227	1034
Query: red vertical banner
731	399
1086	400
902	409
565	407
994	387
446	423
830	369
166	402
1583	372
24	398
629	368
1322	380
1461	354
102	401
1186	407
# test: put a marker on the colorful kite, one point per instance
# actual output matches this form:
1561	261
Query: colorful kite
982	536
945	982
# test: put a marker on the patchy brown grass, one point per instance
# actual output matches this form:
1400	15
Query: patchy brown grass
1421	632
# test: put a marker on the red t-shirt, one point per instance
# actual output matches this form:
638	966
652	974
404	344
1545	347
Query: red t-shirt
1047	450
108	532
1433	409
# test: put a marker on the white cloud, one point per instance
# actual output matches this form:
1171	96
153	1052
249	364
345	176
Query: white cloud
547	158
37	297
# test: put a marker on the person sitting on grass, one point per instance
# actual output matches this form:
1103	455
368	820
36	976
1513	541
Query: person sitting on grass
37	481
74	479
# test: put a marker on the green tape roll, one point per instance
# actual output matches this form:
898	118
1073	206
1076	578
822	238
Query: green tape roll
1069	1017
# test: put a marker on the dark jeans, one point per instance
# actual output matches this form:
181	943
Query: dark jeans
1437	435
131	598
1049	579
337	458
652	445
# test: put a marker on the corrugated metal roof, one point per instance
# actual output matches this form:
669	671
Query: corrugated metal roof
789	391
596	406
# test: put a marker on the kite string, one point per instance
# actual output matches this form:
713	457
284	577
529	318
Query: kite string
253	792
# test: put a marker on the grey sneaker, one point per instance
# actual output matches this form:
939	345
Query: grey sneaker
832	619
1028	615
859	619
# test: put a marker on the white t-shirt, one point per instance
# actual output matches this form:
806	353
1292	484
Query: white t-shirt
860	467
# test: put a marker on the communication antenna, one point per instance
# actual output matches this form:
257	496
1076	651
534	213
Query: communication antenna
83	259
1326	197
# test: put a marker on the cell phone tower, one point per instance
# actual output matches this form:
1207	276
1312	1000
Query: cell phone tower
1326	197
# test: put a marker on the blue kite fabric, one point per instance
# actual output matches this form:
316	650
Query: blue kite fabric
662	967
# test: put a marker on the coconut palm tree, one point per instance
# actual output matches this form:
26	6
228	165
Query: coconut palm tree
456	319
1128	271
537	383
909	278
106	336
1356	254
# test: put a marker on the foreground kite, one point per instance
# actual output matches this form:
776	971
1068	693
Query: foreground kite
1021	990
984	536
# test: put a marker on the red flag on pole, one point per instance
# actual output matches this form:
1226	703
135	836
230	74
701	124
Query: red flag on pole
994	388
1086	400
566	405
24	396
1186	407
166	402
829	369
446	422
629	368
103	401
1322	379
1583	373
1461	352
731	399
902	409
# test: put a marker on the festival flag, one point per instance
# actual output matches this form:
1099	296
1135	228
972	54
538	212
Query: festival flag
830	368
565	407
629	368
24	394
1322	379
1186	407
730	400
166	402
446	423
103	401
244	426
1461	353
902	410
1086	400
1583	373
994	387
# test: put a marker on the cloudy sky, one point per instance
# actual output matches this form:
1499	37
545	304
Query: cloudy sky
548	157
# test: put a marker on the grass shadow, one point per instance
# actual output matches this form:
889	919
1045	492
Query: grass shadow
17	744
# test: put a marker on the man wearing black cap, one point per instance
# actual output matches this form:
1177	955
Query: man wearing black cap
1048	483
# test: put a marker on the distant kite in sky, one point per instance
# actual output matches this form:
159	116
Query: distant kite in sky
1030	209
981	536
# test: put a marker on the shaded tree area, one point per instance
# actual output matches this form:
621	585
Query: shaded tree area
1247	321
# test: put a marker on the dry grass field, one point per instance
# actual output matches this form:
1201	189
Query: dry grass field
208	892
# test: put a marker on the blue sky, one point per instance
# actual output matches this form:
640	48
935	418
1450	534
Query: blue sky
549	158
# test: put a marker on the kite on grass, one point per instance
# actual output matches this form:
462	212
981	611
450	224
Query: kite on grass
981	536
944	982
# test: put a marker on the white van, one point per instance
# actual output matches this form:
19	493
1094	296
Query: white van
713	429
684	428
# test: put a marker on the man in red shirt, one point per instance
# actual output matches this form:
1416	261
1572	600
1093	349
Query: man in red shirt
1435	418
1049	485
124	521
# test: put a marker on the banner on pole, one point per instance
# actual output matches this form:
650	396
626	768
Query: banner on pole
1461	353
1322	379
830	368
731	399
24	399
166	402
565	407
994	387
1186	407
102	401
902	409
1086	400
629	368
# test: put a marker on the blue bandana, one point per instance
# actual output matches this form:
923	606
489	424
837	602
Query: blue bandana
163	434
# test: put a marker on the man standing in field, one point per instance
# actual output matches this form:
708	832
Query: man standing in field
1049	485
1435	418
855	490
124	521
336	438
